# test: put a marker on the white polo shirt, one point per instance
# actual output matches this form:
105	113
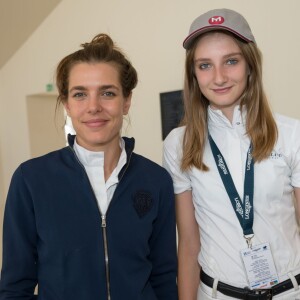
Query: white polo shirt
274	212
93	163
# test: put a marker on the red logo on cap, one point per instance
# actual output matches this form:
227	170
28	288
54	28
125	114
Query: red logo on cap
216	20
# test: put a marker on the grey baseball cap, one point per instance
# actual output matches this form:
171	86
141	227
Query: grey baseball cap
219	19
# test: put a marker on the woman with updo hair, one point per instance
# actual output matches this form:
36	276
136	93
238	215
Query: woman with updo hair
93	220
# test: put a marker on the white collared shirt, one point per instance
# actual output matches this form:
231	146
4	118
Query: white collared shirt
93	163
274	212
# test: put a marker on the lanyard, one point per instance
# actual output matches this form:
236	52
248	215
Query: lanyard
243	209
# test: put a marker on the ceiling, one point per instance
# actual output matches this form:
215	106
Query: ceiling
18	20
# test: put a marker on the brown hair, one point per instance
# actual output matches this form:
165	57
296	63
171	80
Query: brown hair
260	124
100	49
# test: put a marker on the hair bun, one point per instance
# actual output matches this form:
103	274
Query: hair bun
100	39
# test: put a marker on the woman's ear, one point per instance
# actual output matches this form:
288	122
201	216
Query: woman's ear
127	103
66	106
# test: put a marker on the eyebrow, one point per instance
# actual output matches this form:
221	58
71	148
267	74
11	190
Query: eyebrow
225	56
233	54
101	88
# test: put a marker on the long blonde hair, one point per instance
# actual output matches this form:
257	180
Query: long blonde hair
260	124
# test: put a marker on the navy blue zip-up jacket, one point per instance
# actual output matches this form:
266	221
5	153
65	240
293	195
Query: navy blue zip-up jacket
53	234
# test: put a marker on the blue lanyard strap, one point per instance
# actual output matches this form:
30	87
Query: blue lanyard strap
243	210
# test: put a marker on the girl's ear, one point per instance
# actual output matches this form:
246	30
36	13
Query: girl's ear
248	71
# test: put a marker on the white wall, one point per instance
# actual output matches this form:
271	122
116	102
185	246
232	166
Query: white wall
151	33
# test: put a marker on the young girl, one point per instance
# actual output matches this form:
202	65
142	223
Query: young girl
93	220
236	170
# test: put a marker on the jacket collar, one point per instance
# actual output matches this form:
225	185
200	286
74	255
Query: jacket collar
129	146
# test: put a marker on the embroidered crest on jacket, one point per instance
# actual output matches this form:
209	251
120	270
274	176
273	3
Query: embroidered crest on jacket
142	202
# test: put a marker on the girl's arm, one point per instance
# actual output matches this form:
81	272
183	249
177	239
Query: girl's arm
188	247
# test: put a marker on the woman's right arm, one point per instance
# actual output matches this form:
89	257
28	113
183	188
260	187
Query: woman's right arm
19	266
188	247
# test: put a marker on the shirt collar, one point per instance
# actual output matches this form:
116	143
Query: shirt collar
96	159
88	158
217	118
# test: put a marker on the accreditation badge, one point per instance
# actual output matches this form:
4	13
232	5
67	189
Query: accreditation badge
260	267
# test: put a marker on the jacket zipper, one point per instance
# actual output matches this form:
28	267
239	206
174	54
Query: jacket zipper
103	223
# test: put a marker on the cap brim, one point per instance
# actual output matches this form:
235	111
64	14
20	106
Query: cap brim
192	36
